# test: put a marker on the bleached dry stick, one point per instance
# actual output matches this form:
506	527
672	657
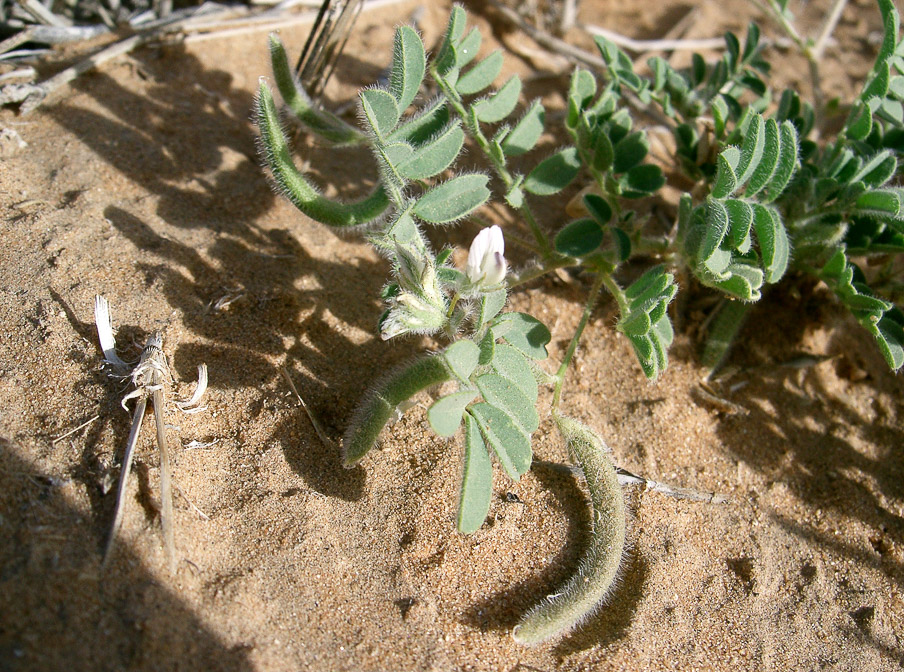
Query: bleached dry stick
149	378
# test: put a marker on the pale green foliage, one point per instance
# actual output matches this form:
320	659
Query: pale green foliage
768	202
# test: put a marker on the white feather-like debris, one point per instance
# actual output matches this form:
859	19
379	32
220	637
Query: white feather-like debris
191	405
104	324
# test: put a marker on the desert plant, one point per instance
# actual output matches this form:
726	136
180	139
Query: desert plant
766	201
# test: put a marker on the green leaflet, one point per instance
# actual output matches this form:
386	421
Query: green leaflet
762	172
752	149
432	158
580	94
773	241
453	199
513	365
787	163
487	348
421	127
408	66
726	180
554	173
476	481
380	110
505	395
445	413
598	208
740	218
467	48
878	170
461	358
524	333
481	75
882	203
603	151
716	228
447	58
490	305
641	181
509	442
501	104
527	131
743	281
630	151
579	238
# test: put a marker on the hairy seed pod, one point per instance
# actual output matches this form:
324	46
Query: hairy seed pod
588	588
376	409
295	186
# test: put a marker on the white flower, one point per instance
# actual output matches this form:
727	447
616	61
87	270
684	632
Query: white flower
486	263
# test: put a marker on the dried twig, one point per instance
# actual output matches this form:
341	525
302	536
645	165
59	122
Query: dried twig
576	54
73	431
625	477
43	15
327	441
827	29
17	39
149	377
640	46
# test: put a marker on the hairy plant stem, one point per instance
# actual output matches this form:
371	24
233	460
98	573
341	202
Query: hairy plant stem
473	127
601	279
539	271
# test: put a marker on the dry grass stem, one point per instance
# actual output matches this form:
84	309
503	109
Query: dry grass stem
149	377
327	441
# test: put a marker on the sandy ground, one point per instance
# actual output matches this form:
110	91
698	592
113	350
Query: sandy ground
142	184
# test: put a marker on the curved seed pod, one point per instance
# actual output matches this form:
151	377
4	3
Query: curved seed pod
376	409
588	588
321	122
295	186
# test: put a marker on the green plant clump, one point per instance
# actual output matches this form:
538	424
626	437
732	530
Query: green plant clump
767	201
